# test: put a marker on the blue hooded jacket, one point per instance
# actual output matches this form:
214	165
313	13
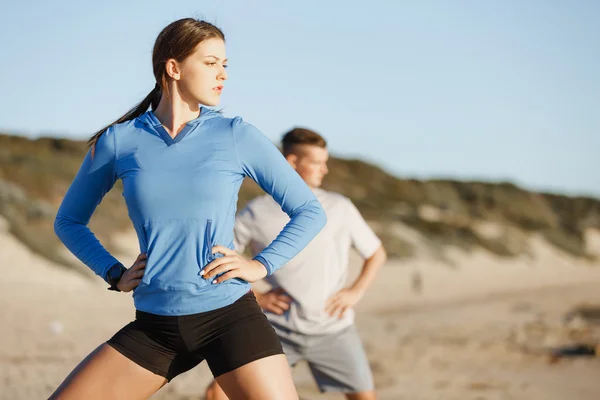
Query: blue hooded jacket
181	195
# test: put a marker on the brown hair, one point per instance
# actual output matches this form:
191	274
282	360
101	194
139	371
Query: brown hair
178	41
300	136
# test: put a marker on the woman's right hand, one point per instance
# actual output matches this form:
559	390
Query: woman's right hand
133	276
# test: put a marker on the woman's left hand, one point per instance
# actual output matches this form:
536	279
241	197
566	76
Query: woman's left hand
234	266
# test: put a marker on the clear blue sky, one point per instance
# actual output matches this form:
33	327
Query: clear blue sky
491	90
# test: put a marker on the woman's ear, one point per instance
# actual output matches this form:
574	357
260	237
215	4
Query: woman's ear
173	69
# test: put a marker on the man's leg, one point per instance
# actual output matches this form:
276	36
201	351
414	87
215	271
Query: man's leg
369	395
339	364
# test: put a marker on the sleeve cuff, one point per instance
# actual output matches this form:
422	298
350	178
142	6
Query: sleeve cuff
266	264
105	272
374	248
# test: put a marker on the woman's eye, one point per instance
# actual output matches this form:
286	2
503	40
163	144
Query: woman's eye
212	64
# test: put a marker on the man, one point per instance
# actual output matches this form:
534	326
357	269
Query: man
309	305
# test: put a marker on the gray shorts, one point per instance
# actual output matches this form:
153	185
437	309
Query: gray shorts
338	361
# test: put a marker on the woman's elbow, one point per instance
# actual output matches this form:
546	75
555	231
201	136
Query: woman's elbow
321	218
313	214
59	223
61	226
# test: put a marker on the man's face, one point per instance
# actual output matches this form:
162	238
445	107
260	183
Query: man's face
310	162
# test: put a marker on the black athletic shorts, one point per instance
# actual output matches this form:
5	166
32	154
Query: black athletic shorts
227	338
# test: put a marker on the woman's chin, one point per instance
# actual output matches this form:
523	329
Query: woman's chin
210	102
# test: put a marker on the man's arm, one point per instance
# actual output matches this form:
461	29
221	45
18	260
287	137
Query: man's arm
369	271
370	248
349	297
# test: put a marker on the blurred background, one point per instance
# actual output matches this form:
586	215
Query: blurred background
466	132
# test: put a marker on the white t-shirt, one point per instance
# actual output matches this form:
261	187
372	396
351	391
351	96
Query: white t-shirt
317	272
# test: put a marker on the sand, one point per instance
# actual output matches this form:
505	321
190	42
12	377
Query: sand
468	331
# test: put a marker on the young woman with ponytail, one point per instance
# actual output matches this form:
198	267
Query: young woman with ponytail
182	165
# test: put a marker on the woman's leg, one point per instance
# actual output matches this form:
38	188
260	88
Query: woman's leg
214	392
244	353
268	378
107	374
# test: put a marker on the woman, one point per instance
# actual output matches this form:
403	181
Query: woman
182	166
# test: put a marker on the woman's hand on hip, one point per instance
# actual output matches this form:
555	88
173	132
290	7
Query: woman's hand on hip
232	265
133	276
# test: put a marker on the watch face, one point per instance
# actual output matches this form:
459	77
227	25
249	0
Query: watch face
114	272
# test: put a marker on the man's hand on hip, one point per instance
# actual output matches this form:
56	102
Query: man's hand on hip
339	303
274	301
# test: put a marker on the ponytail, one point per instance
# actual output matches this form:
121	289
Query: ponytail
151	100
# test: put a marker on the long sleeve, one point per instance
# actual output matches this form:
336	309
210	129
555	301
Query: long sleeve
95	178
261	160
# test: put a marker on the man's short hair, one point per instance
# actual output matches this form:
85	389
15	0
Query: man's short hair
301	136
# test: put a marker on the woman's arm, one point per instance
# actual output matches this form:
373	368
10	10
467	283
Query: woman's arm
95	178
264	163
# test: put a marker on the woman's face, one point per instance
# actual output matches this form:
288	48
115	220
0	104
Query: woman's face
202	74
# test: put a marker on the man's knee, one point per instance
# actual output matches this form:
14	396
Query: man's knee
367	395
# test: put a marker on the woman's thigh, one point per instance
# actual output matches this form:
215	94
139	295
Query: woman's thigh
268	378
107	374
245	354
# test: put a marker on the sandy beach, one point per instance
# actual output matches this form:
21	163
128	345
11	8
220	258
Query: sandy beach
472	327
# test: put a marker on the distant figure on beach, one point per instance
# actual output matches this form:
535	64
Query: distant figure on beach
182	165
417	282
309	305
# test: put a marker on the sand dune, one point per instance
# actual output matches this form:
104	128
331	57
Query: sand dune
433	329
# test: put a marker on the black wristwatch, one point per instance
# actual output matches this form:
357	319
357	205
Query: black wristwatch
113	276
